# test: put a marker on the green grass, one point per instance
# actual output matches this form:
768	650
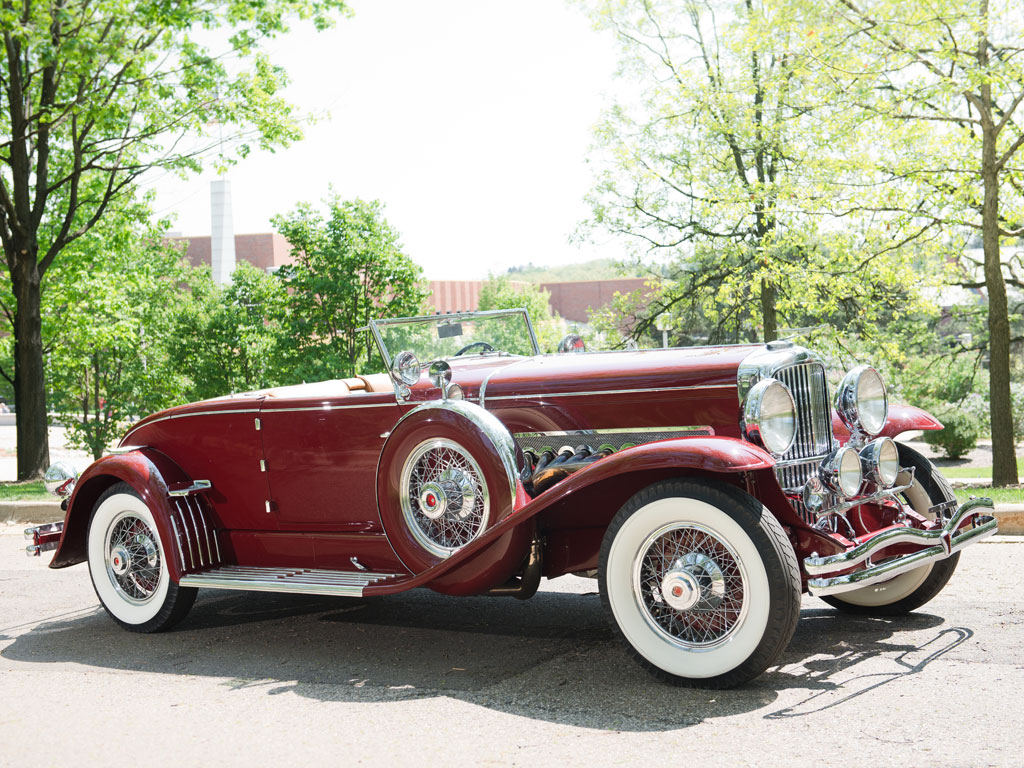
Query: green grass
30	491
978	471
998	495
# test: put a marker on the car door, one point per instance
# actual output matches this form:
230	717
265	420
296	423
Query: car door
320	455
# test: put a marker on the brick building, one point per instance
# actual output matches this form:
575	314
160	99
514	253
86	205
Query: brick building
570	300
267	250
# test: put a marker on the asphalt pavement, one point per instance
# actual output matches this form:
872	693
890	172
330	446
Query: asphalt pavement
422	679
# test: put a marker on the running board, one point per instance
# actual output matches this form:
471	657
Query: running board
305	581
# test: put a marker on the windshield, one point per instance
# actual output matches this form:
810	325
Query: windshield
436	337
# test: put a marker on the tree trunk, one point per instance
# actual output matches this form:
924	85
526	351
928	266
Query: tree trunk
768	314
29	382
1004	463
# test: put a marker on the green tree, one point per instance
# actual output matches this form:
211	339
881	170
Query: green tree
733	168
110	313
95	94
501	293
941	86
232	339
349	269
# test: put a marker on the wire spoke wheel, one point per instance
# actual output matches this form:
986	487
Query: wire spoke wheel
700	582
132	558
444	496
691	584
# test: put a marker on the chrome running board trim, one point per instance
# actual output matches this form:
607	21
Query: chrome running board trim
947	540
306	581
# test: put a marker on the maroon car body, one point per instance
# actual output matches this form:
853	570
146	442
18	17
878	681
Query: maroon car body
309	489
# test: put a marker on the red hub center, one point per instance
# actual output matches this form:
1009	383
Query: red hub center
677	591
431	499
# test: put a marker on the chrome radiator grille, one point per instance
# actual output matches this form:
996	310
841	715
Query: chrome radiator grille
806	382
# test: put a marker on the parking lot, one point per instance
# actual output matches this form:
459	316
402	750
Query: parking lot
422	679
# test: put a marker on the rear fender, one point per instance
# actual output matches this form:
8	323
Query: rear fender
149	473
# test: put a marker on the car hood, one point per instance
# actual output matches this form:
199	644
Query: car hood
649	369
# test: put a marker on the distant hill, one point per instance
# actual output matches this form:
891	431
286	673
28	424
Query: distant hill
596	269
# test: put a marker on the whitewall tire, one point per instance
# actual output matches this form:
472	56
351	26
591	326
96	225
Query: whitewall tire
700	582
127	564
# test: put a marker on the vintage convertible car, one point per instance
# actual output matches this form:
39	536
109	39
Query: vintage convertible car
705	488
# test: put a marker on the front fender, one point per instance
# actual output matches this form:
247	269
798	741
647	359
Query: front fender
902	418
148	472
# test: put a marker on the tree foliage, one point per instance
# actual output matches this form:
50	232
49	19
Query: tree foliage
942	86
349	269
734	172
110	316
501	293
98	92
232	338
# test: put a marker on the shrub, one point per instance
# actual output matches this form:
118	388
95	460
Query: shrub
959	436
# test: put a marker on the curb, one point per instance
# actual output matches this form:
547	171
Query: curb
30	511
1010	516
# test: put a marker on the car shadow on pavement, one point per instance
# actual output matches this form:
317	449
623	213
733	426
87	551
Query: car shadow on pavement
552	658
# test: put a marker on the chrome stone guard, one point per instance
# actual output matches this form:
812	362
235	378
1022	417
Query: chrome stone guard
943	542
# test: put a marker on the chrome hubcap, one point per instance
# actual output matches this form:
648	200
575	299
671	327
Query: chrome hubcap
680	589
433	500
690	585
120	560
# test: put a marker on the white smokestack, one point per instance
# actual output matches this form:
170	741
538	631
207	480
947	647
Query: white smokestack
222	240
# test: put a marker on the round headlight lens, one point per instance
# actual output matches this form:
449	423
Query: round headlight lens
841	472
881	461
770	416
861	400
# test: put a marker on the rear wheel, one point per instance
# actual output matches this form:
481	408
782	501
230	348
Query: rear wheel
700	583
128	567
913	589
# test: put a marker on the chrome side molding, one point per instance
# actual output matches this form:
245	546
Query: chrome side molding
939	543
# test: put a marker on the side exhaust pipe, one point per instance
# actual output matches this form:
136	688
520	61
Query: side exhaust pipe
524	587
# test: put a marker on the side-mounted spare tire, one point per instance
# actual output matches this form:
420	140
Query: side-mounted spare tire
447	473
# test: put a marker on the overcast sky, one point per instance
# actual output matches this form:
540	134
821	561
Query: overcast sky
471	120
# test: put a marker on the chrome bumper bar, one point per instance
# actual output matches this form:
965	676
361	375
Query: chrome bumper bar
43	538
938	544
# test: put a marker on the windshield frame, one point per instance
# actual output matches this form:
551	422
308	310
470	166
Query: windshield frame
375	325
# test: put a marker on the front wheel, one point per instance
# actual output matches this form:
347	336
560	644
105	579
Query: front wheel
127	563
700	583
908	591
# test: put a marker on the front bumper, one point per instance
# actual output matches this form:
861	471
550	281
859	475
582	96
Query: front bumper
938	543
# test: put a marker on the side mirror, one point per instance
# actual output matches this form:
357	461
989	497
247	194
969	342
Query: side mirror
440	374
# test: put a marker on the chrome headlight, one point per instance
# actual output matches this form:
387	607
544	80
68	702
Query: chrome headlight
769	416
405	368
841	472
880	461
861	400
